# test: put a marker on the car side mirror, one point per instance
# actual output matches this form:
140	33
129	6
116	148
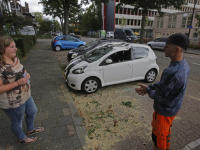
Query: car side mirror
109	61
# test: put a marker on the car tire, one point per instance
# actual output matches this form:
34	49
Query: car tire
150	75
81	45
57	48
90	85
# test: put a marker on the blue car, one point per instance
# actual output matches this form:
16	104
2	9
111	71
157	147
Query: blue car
66	42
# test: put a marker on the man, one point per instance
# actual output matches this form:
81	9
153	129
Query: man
169	92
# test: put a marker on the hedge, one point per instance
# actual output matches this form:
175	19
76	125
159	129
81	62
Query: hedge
24	44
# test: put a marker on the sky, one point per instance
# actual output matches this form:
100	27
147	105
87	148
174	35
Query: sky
34	6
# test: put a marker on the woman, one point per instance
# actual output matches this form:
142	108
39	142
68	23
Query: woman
15	94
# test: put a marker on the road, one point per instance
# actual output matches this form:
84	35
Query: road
193	60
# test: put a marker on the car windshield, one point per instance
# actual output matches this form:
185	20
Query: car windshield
97	53
87	46
129	32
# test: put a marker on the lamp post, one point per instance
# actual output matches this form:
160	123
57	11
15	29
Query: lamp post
195	1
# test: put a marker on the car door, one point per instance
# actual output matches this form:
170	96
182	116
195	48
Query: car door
120	69
70	42
156	43
140	62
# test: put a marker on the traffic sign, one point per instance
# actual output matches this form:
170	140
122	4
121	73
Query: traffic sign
190	27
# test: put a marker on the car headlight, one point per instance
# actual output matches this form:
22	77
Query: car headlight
74	55
79	70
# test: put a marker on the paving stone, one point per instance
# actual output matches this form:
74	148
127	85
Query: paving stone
186	148
66	120
192	144
70	143
198	141
41	116
56	113
66	111
49	123
58	132
71	130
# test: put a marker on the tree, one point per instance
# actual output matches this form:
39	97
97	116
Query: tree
59	8
146	5
123	22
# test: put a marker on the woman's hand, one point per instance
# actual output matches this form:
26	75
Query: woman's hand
24	80
142	90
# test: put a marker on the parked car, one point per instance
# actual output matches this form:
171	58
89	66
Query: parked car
74	35
125	34
137	34
82	50
66	42
110	34
158	43
111	64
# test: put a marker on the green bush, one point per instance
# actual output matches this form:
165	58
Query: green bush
84	33
24	44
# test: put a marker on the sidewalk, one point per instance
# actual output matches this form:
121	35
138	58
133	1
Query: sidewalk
193	51
56	110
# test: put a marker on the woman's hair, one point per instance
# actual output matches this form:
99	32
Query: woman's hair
5	41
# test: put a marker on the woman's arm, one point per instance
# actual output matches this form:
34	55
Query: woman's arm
10	86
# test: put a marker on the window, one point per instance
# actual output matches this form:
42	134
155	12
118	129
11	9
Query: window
158	22
140	52
121	56
170	21
116	20
161	22
184	20
174	21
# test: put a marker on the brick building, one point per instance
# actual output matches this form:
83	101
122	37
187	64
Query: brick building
175	23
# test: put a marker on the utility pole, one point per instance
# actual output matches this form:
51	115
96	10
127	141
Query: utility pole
195	1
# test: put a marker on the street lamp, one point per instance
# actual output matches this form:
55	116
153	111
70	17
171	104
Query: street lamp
195	1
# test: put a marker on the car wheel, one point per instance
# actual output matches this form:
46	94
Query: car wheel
150	75
80	45
90	85
57	48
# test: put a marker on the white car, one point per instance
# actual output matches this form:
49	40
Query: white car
111	64
110	34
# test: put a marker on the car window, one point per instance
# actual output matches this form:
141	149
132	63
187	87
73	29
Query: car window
89	45
61	38
128	32
97	53
157	40
68	38
120	56
103	43
140	52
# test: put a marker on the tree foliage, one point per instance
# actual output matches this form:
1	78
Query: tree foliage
146	5
11	23
60	9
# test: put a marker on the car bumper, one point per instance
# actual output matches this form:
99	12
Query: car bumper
74	80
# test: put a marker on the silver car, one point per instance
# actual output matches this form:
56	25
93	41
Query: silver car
158	43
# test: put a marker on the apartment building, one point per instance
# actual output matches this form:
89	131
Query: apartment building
176	23
112	17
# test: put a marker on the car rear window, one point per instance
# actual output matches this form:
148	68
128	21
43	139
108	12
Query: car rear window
140	52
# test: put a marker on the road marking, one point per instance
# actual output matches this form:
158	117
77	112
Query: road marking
196	64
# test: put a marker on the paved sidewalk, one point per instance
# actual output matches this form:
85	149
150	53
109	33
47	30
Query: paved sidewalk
56	110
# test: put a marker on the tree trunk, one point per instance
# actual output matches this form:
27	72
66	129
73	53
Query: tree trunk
144	13
66	17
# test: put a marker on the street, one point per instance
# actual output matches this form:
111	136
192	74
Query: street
134	124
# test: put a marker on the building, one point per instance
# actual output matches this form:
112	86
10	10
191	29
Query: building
175	23
112	17
4	5
19	10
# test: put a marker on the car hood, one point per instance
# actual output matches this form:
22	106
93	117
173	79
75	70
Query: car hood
150	42
77	63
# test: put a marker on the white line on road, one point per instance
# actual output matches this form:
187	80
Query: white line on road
195	64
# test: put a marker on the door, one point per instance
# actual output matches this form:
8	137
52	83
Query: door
120	69
70	42
141	62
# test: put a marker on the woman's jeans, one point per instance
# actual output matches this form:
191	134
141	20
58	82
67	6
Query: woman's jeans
16	116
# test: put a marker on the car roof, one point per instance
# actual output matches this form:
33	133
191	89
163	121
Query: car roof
108	39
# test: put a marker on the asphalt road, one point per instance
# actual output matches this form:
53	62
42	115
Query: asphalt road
193	60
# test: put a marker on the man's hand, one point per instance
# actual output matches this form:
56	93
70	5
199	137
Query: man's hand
142	90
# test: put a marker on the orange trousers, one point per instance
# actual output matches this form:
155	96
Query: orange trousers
161	131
